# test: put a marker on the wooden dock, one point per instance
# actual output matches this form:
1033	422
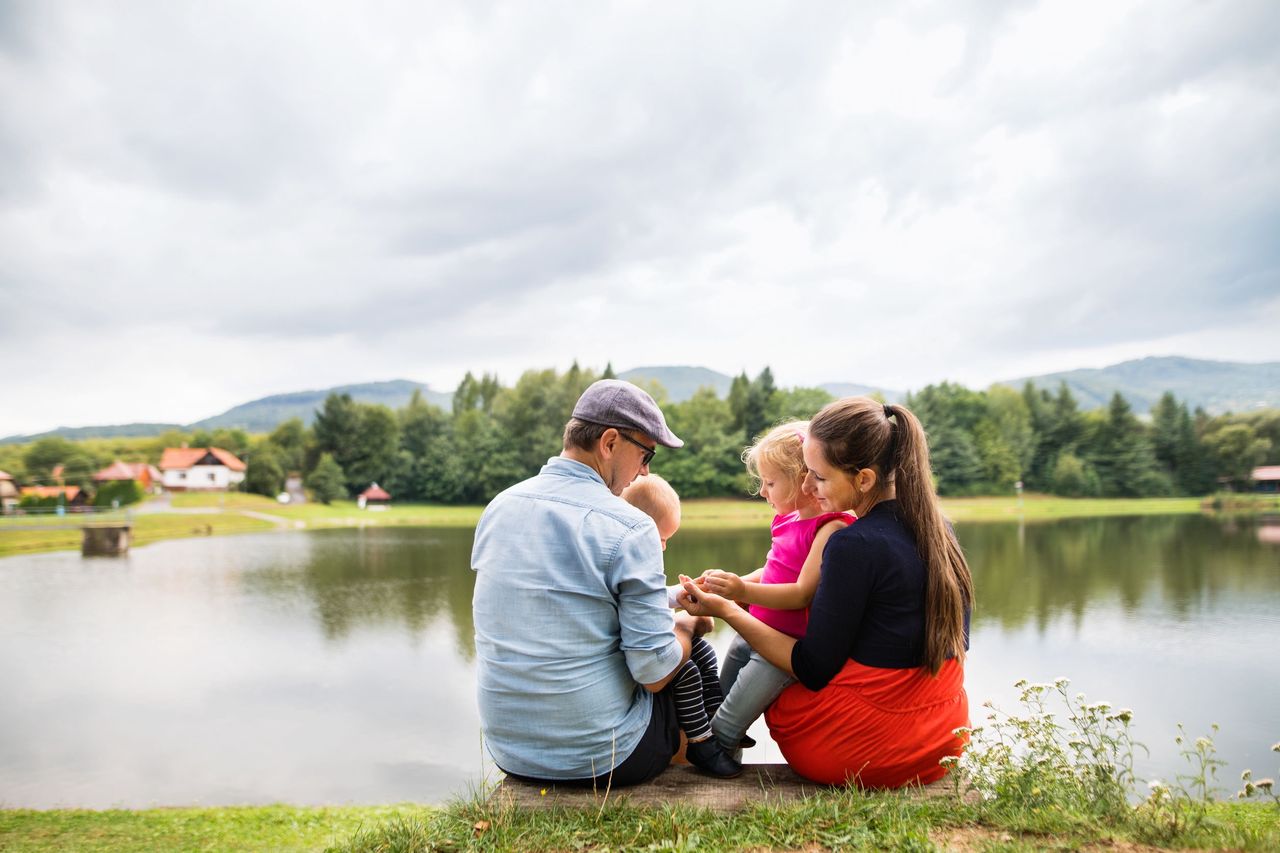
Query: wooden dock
759	783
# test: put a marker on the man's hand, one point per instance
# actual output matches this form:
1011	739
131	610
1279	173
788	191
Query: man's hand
699	602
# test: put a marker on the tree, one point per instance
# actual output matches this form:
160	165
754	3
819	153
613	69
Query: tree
290	442
1121	453
118	493
710	463
800	403
1237	449
1073	478
327	481
264	473
46	454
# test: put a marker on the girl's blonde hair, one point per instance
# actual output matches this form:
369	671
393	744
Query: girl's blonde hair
858	432
782	449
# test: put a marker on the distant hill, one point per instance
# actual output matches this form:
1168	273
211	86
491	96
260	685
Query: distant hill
1217	386
850	389
265	414
262	415
680	382
113	431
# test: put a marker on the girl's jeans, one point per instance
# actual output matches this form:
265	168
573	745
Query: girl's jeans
750	684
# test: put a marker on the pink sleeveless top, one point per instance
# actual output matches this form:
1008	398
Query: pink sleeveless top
792	538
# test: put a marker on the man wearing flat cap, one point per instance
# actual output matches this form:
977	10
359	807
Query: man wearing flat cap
575	642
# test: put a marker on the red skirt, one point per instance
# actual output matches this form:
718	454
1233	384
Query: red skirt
876	728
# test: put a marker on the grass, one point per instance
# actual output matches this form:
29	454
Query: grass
274	828
226	515
831	820
146	529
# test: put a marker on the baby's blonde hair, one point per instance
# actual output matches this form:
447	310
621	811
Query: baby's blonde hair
781	448
653	496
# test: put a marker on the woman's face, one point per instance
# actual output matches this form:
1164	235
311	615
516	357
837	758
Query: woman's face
833	487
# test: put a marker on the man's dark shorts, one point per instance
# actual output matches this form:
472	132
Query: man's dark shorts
652	755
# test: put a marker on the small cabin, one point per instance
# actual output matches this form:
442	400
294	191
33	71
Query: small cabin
1266	479
8	493
146	476
374	497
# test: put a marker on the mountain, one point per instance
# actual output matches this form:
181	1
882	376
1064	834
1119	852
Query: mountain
265	414
112	431
850	389
680	383
1216	386
262	415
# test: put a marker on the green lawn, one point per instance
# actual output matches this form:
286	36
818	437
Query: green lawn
834	820
264	828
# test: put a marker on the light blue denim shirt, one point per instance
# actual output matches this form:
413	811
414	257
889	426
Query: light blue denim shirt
571	618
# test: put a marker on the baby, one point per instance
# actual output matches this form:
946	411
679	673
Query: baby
696	687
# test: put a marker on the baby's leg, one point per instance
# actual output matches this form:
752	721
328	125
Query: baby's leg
704	657
691	712
757	684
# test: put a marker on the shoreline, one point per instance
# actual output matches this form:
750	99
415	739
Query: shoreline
194	515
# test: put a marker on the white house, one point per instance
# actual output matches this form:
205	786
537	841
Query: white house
192	469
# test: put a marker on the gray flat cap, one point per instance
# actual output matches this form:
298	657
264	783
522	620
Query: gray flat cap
615	403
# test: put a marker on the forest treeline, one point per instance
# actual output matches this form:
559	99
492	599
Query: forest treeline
982	442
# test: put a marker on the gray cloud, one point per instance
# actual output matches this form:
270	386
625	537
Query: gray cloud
484	186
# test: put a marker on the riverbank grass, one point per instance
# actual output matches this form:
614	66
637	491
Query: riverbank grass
236	512
273	828
831	820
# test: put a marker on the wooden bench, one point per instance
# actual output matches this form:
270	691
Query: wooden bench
759	783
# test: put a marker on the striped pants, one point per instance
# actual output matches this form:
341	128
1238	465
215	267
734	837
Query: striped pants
696	689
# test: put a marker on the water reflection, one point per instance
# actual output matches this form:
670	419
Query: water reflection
337	666
1036	572
407	578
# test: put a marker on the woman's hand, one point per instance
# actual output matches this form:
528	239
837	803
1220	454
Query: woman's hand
725	584
700	602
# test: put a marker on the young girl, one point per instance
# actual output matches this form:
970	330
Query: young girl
780	592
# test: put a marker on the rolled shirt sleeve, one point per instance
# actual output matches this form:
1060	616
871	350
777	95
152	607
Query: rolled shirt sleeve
648	627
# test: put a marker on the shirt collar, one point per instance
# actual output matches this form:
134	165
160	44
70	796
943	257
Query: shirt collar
565	467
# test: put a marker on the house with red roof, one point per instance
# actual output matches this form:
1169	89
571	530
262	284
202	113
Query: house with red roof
145	475
374	497
71	496
1266	479
200	469
8	492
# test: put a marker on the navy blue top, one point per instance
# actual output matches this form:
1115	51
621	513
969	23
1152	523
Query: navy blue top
870	601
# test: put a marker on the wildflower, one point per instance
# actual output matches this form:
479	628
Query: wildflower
962	731
1275	747
1155	785
1022	682
1100	707
1246	775
543	792
1203	743
1061	681
1265	784
1124	715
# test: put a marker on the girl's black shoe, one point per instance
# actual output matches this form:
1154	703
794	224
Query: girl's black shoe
709	757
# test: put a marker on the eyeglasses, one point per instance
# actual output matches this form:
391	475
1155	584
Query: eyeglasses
648	451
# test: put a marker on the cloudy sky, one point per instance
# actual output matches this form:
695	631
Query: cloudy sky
204	203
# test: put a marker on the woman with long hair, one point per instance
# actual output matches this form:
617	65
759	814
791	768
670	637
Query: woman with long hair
881	663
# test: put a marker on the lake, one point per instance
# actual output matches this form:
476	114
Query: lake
336	666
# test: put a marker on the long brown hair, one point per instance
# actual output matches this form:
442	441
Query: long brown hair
857	433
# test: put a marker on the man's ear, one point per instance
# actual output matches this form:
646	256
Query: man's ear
608	442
